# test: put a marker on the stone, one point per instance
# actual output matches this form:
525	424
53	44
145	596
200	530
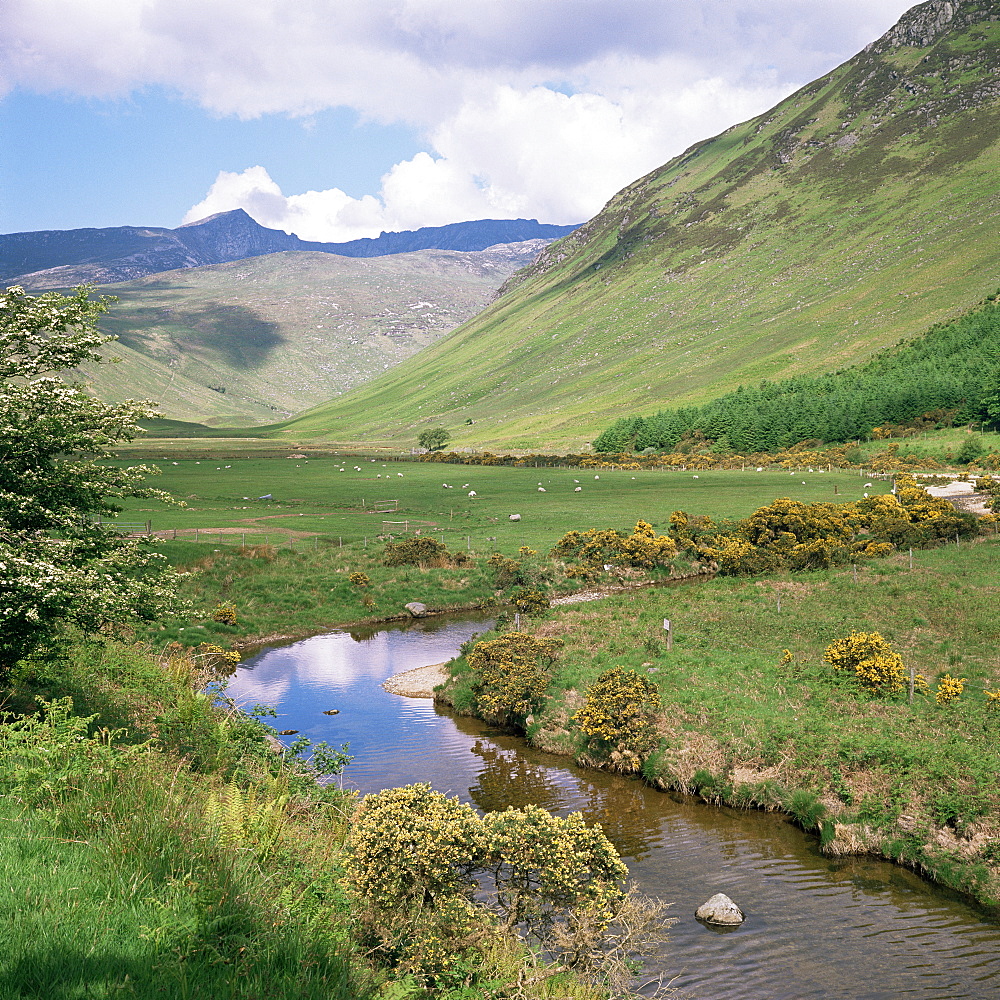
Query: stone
721	910
416	609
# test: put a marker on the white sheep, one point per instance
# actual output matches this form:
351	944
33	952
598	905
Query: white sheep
400	474
541	489
760	468
696	477
575	480
472	493
579	489
868	486
597	477
866	496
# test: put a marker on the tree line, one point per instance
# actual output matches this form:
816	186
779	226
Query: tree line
949	375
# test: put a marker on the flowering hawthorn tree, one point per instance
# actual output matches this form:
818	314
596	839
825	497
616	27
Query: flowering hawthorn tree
57	563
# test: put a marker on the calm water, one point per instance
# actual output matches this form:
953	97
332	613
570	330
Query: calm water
816	927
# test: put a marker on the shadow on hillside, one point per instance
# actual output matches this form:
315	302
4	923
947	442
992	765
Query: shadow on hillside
237	335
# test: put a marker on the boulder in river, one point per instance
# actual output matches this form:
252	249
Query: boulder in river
416	609
720	909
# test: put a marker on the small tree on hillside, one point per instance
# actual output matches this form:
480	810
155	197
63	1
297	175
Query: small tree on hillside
57	563
433	438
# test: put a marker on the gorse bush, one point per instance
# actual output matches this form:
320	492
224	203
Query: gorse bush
876	665
529	602
619	718
949	689
513	673
416	551
417	860
643	548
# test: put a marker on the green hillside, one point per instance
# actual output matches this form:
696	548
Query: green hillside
255	340
858	212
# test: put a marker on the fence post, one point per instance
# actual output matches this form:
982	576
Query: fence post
196	534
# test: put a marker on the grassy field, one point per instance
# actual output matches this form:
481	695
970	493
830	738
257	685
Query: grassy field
914	782
319	499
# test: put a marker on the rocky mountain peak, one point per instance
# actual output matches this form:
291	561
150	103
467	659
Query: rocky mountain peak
919	27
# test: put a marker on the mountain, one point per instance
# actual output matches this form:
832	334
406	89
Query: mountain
64	258
858	212
257	339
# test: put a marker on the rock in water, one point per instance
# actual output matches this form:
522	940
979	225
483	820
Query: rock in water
720	909
416	609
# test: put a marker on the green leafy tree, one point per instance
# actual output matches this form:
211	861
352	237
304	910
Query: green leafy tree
59	565
433	438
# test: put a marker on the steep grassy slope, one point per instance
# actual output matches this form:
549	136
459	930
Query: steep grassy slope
859	211
262	338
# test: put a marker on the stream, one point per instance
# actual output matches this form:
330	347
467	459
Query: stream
816	927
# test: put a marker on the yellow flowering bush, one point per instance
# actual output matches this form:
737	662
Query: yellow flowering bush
225	613
868	655
513	673
949	689
644	548
786	656
359	580
417	858
993	700
618	717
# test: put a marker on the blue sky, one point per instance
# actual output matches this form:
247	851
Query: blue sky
339	118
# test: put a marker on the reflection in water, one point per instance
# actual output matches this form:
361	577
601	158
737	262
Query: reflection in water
817	928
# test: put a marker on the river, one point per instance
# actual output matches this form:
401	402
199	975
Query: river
816	927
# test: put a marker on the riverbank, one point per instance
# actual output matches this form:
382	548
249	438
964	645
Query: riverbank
747	724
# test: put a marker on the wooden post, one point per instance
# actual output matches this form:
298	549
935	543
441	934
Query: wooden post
913	679
196	534
911	557
670	634
779	602
854	566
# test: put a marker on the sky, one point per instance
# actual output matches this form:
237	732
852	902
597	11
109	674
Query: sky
340	119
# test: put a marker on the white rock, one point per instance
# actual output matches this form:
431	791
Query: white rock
720	909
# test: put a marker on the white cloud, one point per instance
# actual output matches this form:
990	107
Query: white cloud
537	108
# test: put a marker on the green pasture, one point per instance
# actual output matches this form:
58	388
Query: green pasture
319	500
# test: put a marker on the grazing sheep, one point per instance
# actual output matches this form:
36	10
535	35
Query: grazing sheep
597	477
400	474
472	493
515	517
760	468
541	489
575	480
868	486
866	496
696	477
579	489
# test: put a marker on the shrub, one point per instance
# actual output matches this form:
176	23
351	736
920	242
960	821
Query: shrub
618	717
597	547
417	860
416	551
949	689
359	580
529	602
225	613
513	673
506	570
875	664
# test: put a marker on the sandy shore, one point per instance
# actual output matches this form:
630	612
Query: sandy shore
417	683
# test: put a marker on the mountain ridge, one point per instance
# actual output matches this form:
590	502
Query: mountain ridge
64	258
